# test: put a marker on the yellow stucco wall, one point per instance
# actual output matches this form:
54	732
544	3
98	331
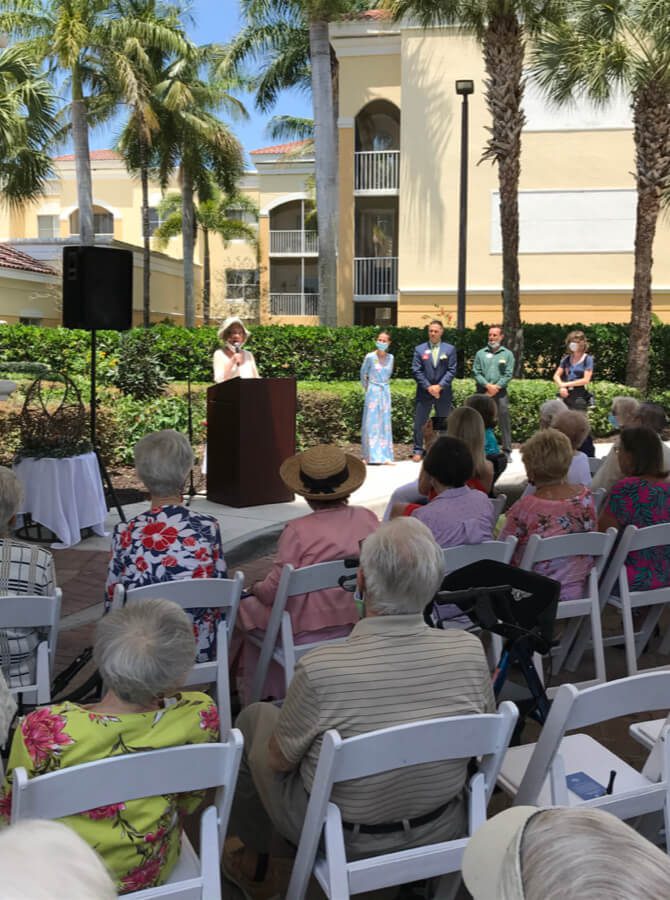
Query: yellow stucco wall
418	74
23	294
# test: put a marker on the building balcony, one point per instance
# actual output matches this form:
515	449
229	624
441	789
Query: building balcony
377	172
294	243
375	276
294	304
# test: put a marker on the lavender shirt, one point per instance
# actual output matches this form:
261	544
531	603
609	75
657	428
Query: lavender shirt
458	516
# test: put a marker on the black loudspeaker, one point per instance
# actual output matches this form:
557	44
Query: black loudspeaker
97	288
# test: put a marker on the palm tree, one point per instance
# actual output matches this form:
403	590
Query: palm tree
603	48
136	141
290	39
214	214
27	126
502	28
193	140
85	41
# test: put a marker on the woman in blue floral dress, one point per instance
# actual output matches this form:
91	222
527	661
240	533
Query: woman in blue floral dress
376	432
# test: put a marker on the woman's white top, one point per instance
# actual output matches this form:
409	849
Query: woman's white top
225	368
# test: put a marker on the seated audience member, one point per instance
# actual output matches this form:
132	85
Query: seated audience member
325	476
641	497
356	686
555	508
168	542
143	653
550	409
622	415
37	854
24	569
409	493
575	426
467	425
457	514
488	410
526	853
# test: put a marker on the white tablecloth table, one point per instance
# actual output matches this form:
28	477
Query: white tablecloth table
64	495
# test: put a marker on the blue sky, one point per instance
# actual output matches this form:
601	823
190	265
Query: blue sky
216	21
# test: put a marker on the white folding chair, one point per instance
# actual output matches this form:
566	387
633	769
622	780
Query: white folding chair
592	543
599	495
195	593
594	464
276	643
535	774
632	538
458	557
42	613
457	737
118	779
498	503
647	733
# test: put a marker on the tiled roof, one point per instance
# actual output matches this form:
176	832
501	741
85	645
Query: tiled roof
14	259
372	15
281	148
98	155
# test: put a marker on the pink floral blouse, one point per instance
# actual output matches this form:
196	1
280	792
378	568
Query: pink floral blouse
549	518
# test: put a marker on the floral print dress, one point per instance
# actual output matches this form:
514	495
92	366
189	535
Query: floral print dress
138	840
549	518
376	432
636	501
170	543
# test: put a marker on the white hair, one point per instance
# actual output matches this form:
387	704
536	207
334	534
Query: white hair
567	853
40	859
11	494
144	650
549	409
163	460
625	409
403	567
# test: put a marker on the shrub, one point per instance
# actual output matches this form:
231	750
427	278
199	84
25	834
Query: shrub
138	371
313	353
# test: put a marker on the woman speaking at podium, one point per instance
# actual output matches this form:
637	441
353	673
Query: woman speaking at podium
232	361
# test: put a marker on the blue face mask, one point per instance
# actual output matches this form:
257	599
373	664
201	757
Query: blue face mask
612	419
382	345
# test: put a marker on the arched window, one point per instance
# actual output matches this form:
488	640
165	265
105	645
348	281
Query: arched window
378	127
103	221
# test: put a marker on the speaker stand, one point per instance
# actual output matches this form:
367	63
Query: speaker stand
191	484
106	480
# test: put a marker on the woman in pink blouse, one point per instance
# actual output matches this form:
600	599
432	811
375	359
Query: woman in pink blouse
325	476
555	508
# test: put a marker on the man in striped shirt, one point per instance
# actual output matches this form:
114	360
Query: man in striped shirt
392	669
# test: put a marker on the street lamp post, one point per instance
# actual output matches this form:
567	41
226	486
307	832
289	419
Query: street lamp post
464	87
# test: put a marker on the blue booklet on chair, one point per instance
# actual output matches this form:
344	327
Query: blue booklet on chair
584	786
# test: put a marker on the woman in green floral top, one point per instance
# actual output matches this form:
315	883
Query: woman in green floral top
143	653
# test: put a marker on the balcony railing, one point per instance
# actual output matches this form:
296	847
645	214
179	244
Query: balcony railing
376	276
294	304
377	172
294	243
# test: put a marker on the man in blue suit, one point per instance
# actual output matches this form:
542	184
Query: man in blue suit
434	368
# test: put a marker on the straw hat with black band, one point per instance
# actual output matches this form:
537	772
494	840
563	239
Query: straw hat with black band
324	473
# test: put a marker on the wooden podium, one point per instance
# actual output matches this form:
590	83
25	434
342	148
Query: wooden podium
250	432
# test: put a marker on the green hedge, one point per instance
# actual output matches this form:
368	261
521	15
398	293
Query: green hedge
321	354
326	412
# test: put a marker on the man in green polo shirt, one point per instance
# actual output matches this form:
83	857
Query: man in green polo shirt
493	369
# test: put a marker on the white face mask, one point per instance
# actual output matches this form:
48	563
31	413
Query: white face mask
573	347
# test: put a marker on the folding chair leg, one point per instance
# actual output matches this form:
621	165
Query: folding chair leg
650	622
597	642
629	637
560	653
579	648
